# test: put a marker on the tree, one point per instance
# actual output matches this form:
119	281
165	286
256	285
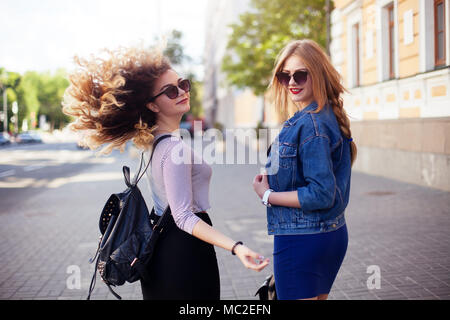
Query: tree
262	32
51	91
9	81
28	96
196	96
174	49
36	94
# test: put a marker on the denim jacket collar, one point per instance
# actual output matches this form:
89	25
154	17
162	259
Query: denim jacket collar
291	121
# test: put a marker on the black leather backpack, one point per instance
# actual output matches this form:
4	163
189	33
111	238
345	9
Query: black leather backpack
128	235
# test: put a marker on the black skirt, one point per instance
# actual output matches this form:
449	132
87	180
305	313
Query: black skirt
183	267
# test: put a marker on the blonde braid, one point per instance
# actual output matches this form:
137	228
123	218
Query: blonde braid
344	125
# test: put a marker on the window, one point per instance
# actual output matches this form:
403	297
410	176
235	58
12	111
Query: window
387	40
391	35
439	32
356	70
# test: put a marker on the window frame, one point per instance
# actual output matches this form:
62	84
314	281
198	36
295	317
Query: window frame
357	51
439	62
391	38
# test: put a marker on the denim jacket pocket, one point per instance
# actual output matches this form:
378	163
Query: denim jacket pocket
288	154
303	218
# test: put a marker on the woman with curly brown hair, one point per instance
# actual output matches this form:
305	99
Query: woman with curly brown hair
134	94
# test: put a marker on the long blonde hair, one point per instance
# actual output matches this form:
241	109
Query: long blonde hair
326	85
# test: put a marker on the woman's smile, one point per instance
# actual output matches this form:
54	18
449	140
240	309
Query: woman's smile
295	90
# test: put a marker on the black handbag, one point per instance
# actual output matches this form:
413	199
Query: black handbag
267	290
128	236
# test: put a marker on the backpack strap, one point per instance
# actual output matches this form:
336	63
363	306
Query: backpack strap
142	162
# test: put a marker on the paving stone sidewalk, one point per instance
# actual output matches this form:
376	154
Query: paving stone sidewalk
400	229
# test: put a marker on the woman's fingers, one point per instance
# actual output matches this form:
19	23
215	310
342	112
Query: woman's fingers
258	178
265	180
254	261
256	266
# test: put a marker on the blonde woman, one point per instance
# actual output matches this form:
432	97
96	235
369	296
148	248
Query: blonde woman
307	196
134	94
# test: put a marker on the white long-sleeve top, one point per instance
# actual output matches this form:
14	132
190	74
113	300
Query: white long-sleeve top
180	178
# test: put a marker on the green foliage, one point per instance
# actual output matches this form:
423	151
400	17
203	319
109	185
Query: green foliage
196	96
174	49
28	94
51	91
36	94
261	33
10	82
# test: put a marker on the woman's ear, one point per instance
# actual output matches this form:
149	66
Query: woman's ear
153	107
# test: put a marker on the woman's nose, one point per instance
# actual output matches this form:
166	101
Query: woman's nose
292	81
181	92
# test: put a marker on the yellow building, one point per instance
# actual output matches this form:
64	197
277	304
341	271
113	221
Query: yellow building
394	57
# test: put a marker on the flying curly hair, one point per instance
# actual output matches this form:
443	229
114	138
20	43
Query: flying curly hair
107	97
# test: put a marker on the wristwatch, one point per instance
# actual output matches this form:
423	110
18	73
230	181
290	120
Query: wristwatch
265	198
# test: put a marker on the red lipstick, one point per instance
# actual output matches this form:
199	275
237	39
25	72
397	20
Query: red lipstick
295	90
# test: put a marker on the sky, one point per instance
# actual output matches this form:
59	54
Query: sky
44	35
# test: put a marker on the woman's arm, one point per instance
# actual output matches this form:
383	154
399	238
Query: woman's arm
249	258
320	189
178	185
285	199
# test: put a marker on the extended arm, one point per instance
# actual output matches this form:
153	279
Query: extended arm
178	184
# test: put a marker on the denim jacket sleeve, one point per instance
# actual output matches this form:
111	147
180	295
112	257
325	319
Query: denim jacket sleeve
315	159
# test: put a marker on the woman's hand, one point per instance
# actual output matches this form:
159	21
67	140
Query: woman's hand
251	259
260	184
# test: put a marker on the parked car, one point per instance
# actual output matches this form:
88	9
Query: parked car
5	139
29	137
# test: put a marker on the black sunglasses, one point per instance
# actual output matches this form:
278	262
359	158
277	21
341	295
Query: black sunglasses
300	77
172	91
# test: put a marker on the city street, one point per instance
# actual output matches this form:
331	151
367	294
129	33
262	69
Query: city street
51	196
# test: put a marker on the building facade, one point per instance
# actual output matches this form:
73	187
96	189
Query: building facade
224	105
394	58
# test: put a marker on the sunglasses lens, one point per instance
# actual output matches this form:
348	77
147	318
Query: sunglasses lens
300	77
283	78
185	85
171	92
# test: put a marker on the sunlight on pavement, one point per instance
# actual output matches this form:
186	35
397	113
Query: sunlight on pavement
14	183
88	177
50	157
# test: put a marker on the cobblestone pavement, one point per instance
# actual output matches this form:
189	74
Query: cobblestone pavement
399	229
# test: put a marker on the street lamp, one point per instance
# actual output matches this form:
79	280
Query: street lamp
5	111
15	110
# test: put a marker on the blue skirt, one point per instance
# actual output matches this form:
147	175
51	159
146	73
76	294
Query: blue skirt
306	266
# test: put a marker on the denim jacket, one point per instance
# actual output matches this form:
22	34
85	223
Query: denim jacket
310	156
